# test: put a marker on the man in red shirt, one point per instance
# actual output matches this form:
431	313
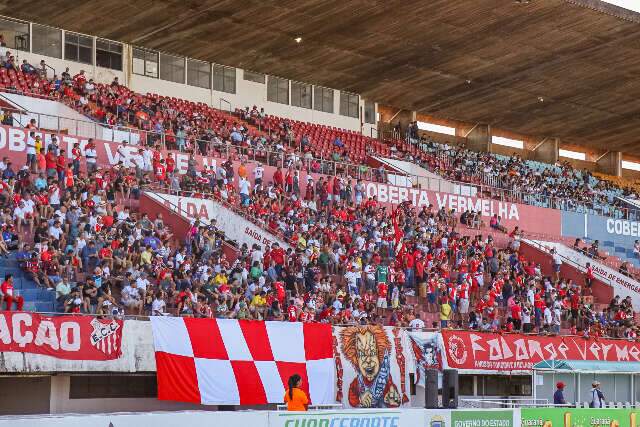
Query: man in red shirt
292	312
589	276
61	164
278	256
516	314
8	294
160	171
51	160
383	289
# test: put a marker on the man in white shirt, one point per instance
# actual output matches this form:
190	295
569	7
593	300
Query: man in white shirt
123	155
258	172
147	156
557	263
548	318
351	276
131	298
417	323
31	150
91	155
244	186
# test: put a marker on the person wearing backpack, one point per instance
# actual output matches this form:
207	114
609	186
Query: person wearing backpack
597	397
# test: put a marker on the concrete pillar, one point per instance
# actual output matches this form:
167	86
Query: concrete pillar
479	138
547	150
610	163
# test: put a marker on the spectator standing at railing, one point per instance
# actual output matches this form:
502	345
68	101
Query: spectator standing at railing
557	263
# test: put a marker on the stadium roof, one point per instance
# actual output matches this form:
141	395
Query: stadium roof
602	366
551	68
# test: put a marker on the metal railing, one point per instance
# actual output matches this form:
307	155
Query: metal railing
487	185
570	261
227	103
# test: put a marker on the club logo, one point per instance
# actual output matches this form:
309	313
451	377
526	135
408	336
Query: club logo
105	336
457	350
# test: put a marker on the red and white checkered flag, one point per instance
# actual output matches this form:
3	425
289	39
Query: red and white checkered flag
241	362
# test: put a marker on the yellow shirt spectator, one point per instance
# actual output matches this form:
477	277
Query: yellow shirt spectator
258	301
445	311
145	257
220	279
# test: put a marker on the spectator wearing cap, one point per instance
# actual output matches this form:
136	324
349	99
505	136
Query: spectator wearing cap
597	397
558	396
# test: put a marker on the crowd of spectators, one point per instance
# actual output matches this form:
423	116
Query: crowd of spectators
350	260
189	126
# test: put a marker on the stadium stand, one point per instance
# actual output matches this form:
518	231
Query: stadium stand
97	255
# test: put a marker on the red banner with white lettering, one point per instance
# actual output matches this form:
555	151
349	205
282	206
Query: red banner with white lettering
62	337
516	352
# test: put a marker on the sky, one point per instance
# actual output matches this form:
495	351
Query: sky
627	4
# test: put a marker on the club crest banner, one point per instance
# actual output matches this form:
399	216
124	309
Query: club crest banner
371	368
425	352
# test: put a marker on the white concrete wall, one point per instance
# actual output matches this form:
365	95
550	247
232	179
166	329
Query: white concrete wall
60	403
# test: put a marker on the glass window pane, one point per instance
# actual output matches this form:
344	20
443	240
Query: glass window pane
108	54
230	80
47	41
278	90
151	64
15	34
300	95
71	47
323	99
138	61
198	73
370	112
171	68
349	105
224	78
253	77
78	48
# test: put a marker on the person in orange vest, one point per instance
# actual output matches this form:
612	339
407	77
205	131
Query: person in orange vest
295	398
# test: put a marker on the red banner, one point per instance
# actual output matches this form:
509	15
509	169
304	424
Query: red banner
516	352
62	337
13	144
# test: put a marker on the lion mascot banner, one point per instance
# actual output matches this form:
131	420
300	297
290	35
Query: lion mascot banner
371	368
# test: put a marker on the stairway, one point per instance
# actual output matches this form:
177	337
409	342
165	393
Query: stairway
36	298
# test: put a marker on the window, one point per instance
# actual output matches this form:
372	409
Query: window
465	385
145	62
15	34
253	77
576	155
112	386
432	127
171	68
47	41
198	73
108	54
349	105
507	142
498	385
370	112
78	48
278	90
323	99
300	95
224	79
630	165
